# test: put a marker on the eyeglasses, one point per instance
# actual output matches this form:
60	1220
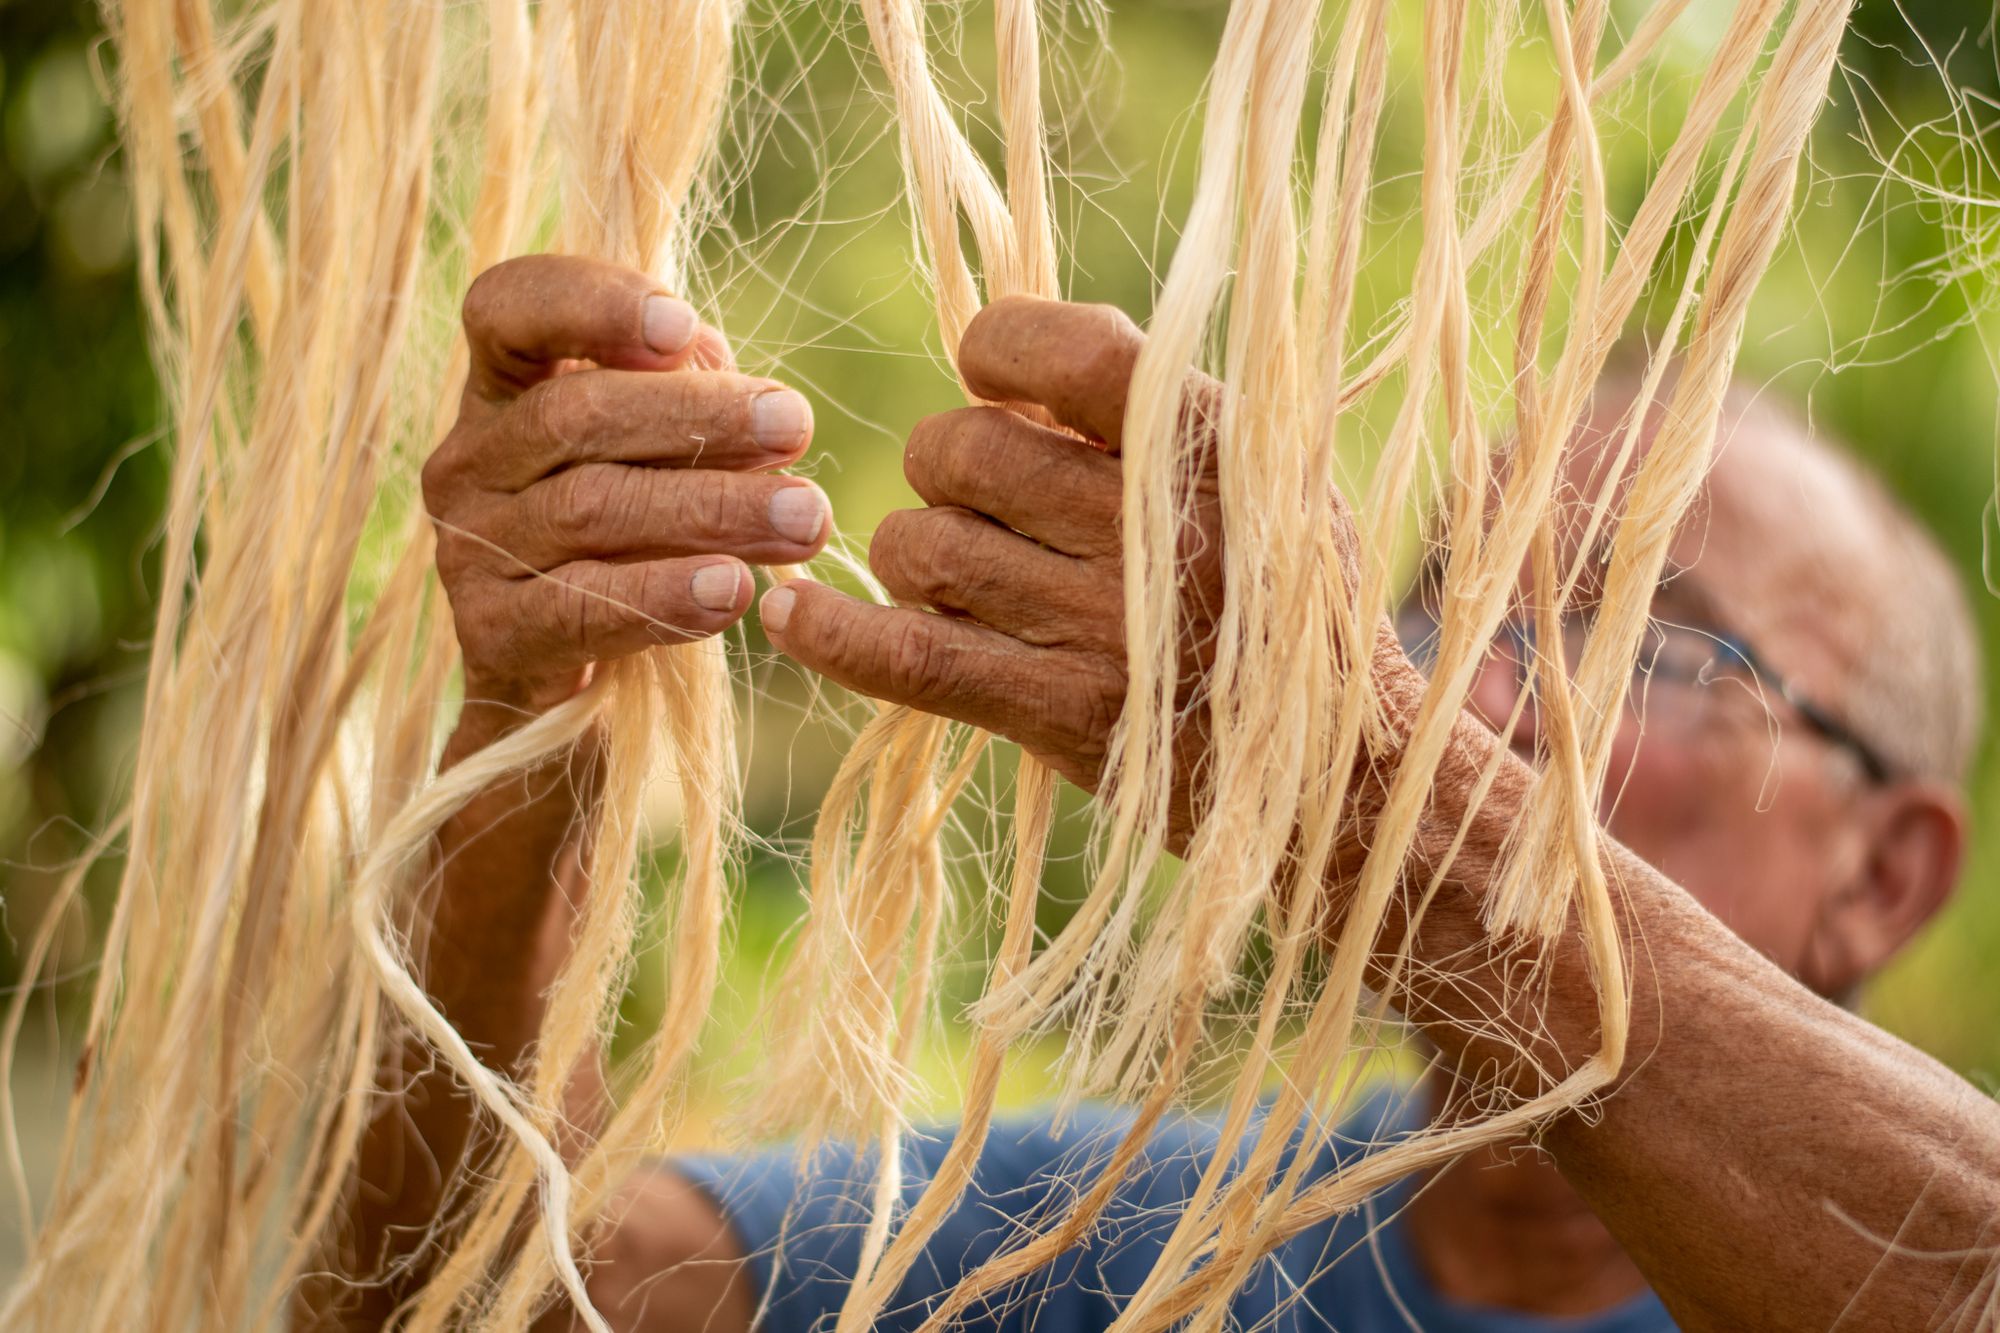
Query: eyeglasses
1686	659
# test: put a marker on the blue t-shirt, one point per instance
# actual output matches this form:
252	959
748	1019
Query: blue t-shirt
802	1228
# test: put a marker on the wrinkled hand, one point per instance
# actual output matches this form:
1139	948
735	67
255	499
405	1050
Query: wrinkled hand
1019	549
607	478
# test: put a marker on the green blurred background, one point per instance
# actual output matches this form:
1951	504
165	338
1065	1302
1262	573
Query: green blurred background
1875	317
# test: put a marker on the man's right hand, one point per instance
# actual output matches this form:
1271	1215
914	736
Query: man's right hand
608	479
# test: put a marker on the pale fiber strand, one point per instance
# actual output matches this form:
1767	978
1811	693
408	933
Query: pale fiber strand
1198	268
1028	265
1077	970
849	981
1330	1023
1016	245
133	1170
1800	71
634	157
1337	1009
227	897
1482	570
1357	1191
1345	155
259	1047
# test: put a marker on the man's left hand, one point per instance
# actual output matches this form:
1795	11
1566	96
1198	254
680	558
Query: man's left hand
1018	553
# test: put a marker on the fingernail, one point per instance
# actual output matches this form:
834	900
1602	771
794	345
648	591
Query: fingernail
669	325
715	586
798	513
776	609
779	420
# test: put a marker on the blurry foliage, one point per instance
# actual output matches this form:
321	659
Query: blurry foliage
816	282
80	494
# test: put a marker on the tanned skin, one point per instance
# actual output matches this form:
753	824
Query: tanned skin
1762	1146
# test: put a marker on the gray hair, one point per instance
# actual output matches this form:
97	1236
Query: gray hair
1916	694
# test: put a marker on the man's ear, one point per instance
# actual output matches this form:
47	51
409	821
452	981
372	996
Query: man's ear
1916	847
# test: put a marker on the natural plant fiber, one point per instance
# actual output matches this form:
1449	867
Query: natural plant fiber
231	1054
315	185
856	893
1299	628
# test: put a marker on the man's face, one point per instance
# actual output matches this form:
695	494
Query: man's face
1714	778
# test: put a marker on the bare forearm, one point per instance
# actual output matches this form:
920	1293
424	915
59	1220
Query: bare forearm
1768	1159
490	939
1773	1161
509	866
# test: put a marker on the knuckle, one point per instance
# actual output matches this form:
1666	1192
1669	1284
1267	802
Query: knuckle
564	412
1015	305
575	509
910	659
1080	710
623	498
651	595
686	404
573	614
888	548
920	451
483	297
481	640
1101	705
947	570
967	453
929	556
439	480
1110	326
1063	485
492	290
987	332
827	638
946	450
456	558
986	434
1106	338
709	510
540	415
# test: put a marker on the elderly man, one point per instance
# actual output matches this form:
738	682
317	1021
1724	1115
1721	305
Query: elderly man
1792	817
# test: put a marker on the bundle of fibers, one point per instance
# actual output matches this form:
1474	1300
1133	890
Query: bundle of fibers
315	186
853	1002
316	182
1262	291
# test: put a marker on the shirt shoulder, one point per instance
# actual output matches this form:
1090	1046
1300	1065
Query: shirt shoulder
801	1222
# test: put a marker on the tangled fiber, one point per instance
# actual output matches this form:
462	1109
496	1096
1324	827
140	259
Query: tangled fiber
316	183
